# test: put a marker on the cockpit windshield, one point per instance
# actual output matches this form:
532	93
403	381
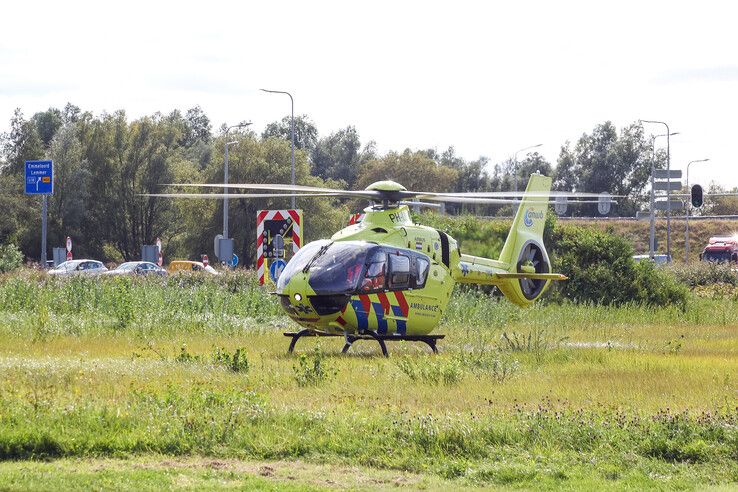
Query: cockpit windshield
333	267
356	267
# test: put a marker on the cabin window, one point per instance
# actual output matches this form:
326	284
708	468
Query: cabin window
421	272
399	271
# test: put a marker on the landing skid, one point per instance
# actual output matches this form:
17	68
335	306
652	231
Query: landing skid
429	340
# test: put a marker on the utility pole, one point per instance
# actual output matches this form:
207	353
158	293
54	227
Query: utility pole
668	190
225	177
516	161
652	232
292	133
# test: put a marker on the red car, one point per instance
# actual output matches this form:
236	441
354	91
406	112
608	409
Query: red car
721	249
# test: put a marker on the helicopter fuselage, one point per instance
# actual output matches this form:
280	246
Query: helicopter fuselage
388	275
384	274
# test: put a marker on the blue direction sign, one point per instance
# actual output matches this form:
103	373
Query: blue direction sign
275	270
39	178
234	260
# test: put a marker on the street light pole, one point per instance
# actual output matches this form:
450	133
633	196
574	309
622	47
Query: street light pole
689	205
292	132
668	191
516	161
652	231
225	177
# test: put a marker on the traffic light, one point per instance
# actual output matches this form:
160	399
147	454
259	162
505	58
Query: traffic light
696	196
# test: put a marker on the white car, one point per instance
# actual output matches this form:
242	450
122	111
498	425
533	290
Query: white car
79	267
659	259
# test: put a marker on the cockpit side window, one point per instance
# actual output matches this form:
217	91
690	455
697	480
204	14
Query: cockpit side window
375	276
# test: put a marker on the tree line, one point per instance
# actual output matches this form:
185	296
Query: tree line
104	163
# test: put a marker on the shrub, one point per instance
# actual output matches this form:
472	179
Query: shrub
236	362
482	361
432	371
311	370
717	291
705	273
10	258
601	270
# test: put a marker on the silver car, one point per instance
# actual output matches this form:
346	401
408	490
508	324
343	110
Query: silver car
79	267
137	268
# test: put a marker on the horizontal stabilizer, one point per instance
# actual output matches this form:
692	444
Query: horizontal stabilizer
534	276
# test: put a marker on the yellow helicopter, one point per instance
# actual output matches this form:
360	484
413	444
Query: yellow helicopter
387	278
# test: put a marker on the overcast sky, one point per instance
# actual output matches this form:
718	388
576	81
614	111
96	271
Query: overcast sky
488	78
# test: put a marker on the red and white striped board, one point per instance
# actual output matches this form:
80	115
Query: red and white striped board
277	215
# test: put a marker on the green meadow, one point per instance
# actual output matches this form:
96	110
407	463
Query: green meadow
185	382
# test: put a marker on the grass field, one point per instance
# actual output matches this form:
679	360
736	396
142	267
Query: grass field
185	382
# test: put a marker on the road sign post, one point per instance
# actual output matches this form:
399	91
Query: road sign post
69	248
44	215
40	181
275	231
275	269
604	202
670	181
669	205
560	205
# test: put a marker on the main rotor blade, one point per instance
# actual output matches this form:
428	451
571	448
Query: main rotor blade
512	194
403	193
367	194
238	195
497	201
258	186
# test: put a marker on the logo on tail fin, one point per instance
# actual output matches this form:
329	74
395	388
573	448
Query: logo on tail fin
531	214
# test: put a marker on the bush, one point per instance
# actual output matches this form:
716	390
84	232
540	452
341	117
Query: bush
312	370
236	362
601	270
432	371
10	258
705	273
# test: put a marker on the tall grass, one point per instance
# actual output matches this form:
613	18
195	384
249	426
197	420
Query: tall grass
38	305
179	303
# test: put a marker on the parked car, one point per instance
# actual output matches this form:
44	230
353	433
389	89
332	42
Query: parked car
721	249
191	266
79	267
137	268
657	259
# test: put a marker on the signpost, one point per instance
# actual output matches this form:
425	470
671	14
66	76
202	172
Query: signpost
40	181
69	248
667	185
275	231
669	205
159	256
671	181
667	174
275	269
560	205
604	202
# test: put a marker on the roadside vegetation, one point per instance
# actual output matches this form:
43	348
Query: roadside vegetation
154	372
